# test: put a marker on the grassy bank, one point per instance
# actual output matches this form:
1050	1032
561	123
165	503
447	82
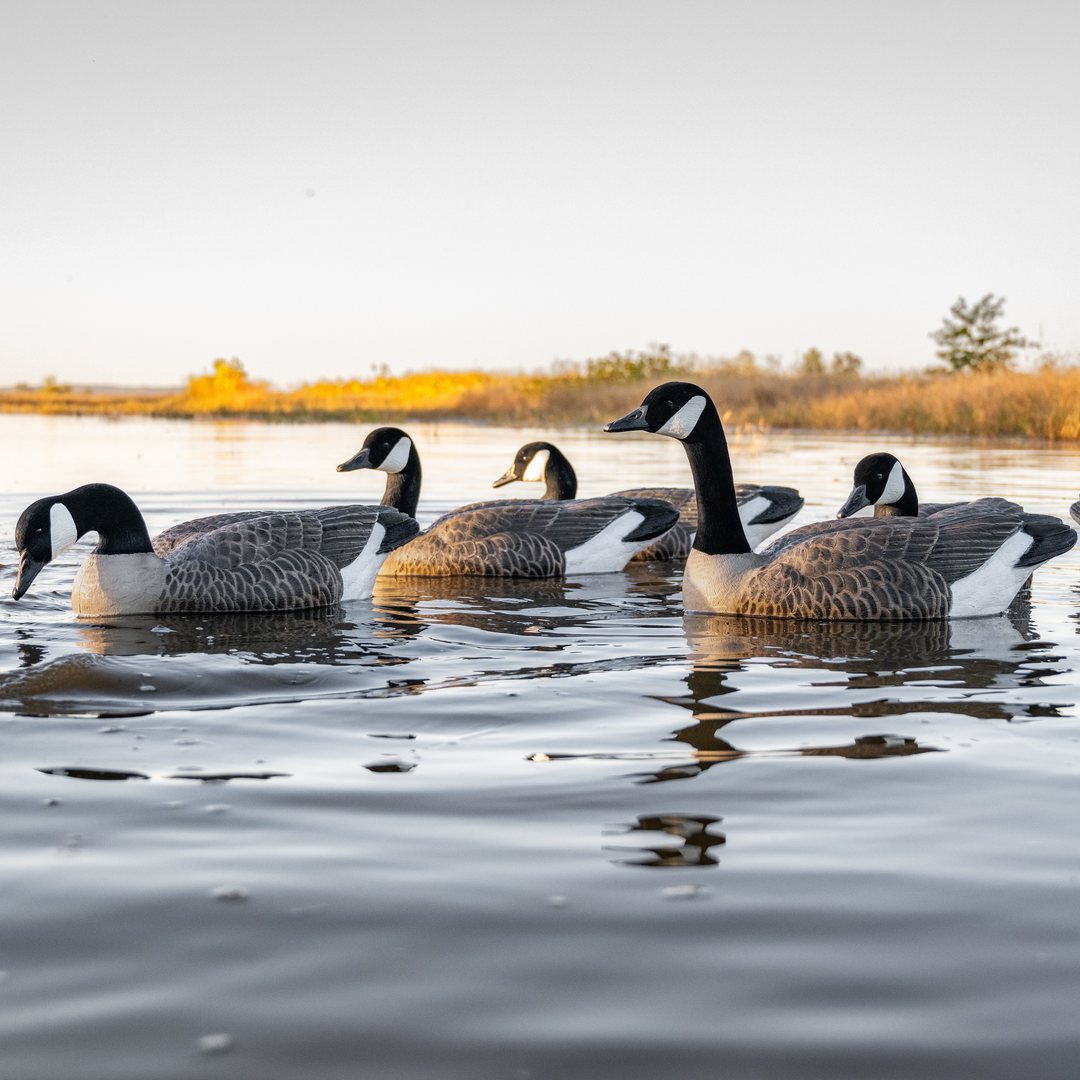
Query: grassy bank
1043	405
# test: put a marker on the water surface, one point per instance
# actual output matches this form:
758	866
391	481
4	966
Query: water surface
480	829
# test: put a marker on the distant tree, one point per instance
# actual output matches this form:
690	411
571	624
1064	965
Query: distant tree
972	340
846	364
812	363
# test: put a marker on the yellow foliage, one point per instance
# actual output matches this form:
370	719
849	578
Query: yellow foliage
1040	405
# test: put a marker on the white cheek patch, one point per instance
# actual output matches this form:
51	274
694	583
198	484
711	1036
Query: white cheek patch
894	486
62	531
536	468
684	421
398	457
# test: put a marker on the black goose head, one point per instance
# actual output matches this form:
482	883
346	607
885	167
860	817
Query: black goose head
48	527
881	481
387	449
543	462
671	409
391	451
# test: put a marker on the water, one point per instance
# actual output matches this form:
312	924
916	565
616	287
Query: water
530	830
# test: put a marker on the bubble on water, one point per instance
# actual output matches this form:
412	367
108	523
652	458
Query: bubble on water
146	687
686	892
109	730
557	901
229	892
218	1043
217	808
161	630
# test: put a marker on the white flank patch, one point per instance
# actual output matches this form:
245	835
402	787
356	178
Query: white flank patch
756	534
751	508
991	588
397	459
894	486
358	577
684	421
536	468
62	531
607	552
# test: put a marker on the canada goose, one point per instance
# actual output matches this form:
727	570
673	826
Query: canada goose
762	510
528	538
882	482
962	562
259	560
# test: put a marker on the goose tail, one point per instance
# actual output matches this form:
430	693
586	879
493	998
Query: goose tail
400	529
1052	537
658	515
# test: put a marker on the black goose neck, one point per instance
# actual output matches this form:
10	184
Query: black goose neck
559	475
906	506
720	530
403	488
112	514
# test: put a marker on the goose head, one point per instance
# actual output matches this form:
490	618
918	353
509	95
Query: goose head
386	449
45	531
673	409
881	481
48	527
529	464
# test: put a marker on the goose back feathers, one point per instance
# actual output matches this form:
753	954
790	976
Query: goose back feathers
251	561
963	561
514	538
763	510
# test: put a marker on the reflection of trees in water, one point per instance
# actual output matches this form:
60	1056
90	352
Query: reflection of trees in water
691	828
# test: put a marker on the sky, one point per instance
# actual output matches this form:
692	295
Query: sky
321	188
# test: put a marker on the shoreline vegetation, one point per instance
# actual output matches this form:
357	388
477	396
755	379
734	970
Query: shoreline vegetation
1043	404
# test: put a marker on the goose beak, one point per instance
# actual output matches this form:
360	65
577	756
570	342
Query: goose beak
507	477
632	421
29	568
855	502
360	460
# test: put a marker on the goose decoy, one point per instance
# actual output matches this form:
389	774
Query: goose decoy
762	510
526	538
962	562
259	560
883	483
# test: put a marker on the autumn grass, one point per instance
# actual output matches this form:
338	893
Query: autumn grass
1039	405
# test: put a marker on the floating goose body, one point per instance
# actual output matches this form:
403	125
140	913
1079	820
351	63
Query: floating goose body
964	561
270	560
882	482
762	510
527	538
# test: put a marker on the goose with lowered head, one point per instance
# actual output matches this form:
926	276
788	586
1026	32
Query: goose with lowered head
762	510
526	538
961	562
883	483
257	560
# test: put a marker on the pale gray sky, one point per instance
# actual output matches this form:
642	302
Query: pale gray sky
318	187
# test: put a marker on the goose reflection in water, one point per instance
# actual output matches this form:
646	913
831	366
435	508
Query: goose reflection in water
693	829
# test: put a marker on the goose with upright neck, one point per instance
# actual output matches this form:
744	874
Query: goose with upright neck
525	538
261	560
963	562
762	510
